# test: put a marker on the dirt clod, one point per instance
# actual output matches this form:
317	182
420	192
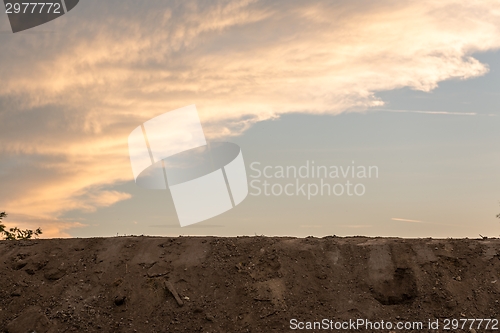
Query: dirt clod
54	274
120	299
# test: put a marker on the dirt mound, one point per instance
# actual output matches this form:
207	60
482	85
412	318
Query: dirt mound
244	284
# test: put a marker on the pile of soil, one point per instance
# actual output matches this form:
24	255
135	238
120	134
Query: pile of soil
243	284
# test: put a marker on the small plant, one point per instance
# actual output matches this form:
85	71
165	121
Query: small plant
16	233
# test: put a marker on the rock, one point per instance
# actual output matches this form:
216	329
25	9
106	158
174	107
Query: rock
120	299
54	274
16	293
117	282
40	264
19	264
158	269
30	320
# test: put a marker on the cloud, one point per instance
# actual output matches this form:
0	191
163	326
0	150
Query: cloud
418	221
406	220
250	60
448	113
69	99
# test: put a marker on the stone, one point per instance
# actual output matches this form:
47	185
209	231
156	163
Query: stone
158	269
54	274
120	299
19	264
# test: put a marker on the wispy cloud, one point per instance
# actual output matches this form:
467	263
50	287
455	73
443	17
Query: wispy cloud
418	221
406	220
428	112
68	100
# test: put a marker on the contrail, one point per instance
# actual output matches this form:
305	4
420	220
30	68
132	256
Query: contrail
430	112
406	220
418	221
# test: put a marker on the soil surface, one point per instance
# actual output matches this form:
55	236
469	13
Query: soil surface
245	284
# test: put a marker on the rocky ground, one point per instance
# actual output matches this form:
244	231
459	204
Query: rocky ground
244	284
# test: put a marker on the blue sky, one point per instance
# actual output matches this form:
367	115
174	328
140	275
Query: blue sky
438	172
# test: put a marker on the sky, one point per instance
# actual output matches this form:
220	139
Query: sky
408	87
